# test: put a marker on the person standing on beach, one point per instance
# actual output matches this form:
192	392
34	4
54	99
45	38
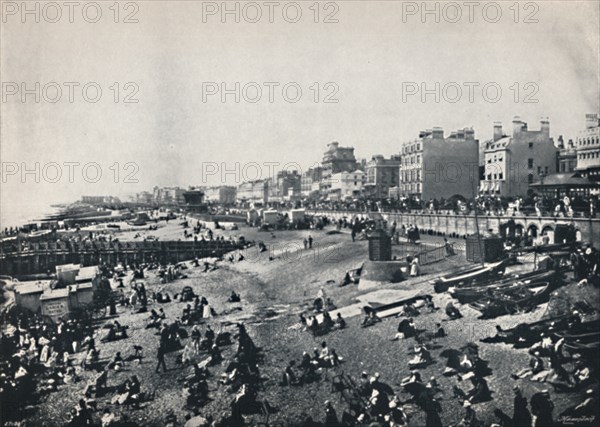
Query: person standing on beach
160	356
310	242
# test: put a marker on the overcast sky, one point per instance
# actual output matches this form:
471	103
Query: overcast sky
368	56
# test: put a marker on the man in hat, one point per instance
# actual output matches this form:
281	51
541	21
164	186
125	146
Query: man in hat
331	418
521	415
541	408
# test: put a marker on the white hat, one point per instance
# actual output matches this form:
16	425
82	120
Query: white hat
466	404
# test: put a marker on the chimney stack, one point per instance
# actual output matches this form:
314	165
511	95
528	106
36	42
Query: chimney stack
517	125
497	131
545	126
437	133
469	133
591	121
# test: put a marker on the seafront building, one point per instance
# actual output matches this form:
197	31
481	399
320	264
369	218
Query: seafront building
567	156
588	148
513	162
344	185
253	192
168	195
434	167
222	194
338	159
382	174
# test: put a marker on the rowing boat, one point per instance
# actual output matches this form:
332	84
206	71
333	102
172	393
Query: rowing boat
513	301
480	273
466	294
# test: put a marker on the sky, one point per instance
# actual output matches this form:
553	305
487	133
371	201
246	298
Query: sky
361	81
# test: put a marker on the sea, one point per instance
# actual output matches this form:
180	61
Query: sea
17	215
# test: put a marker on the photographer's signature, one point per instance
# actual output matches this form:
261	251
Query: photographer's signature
577	420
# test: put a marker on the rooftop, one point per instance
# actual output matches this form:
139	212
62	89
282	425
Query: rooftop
568	179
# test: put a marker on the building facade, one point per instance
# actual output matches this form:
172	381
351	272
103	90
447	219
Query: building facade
338	159
284	186
223	194
514	162
168	195
344	185
308	180
144	197
567	156
435	167
588	148
382	174
255	192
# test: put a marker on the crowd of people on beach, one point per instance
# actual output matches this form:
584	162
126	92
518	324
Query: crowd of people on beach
38	358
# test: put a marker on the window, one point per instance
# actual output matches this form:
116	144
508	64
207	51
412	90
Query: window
546	170
489	177
539	170
500	175
531	145
530	178
530	163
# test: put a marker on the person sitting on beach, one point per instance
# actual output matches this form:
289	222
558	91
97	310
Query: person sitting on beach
480	391
422	357
234	297
430	304
409	310
536	365
406	329
308	368
414	378
116	363
303	321
440	333
215	355
289	377
371	318
327	322
452	312
340	323
313	325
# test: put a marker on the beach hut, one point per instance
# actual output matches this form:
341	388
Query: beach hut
270	217
66	273
297	215
55	304
27	295
81	295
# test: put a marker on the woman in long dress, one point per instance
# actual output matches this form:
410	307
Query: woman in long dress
206	312
414	267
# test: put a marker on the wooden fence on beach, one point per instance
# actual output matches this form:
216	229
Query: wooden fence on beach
24	258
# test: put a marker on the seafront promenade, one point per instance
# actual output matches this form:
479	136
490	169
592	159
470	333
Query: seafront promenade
457	225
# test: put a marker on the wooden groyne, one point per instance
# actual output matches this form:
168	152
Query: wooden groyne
24	258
